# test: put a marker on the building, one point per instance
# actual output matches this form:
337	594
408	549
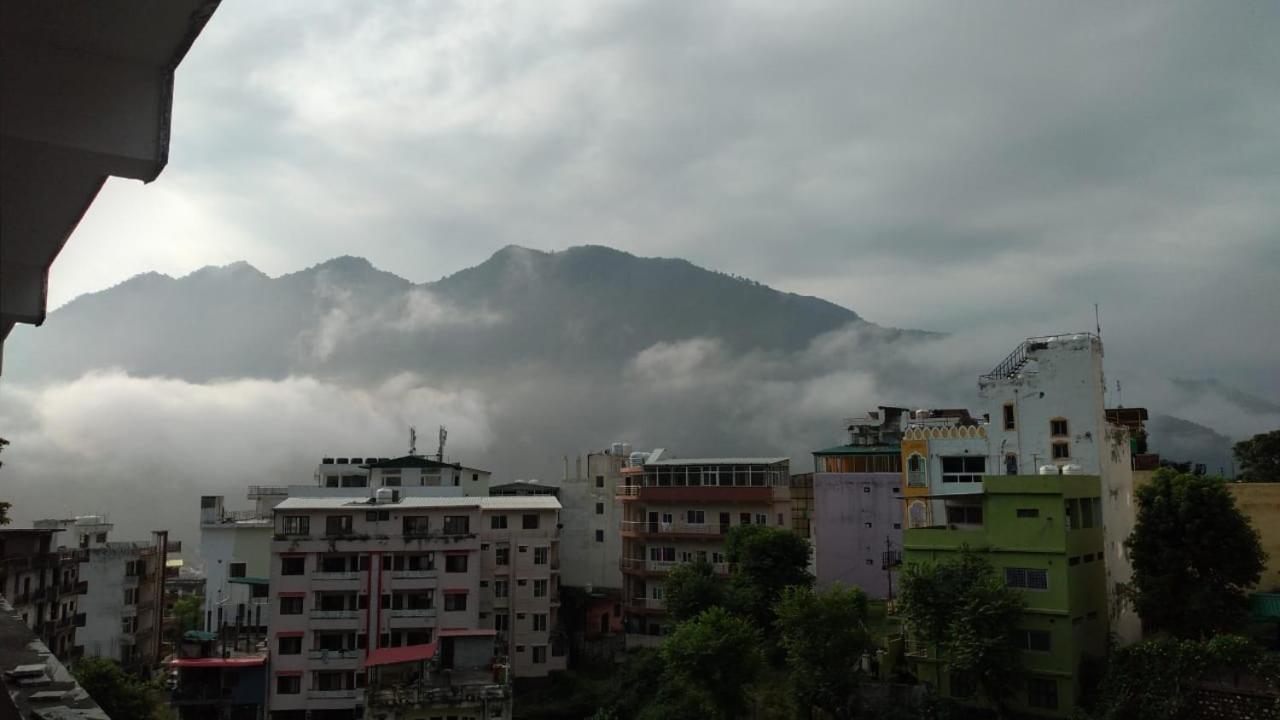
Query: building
802	507
455	676
35	683
42	583
523	487
405	471
354	575
679	511
122	606
1044	536
858	510
1046	400
213	683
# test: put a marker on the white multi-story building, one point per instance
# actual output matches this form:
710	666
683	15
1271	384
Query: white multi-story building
121	606
351	576
591	544
1046	404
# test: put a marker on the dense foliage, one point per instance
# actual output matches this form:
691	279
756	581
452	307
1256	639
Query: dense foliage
766	560
965	605
1157	679
691	588
119	694
711	661
1194	556
824	634
1259	457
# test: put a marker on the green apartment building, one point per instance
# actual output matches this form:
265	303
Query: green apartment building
1043	534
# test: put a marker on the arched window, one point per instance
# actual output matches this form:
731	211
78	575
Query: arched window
917	471
917	516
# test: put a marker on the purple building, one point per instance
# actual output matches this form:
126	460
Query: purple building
857	525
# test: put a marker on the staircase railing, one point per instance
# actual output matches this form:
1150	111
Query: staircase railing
1009	365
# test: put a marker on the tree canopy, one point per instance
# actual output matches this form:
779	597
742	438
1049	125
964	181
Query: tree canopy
711	662
825	636
691	588
1259	457
766	560
963	604
119	694
1194	556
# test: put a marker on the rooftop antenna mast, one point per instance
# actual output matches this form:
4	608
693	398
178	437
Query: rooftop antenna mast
413	440
444	435
1119	397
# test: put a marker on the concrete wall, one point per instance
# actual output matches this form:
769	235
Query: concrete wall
854	515
222	545
586	560
103	605
1261	502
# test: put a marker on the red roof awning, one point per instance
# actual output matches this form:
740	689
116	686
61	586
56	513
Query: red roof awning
403	654
467	632
218	662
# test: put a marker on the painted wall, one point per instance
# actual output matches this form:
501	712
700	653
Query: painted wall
103	605
1261	502
586	560
855	513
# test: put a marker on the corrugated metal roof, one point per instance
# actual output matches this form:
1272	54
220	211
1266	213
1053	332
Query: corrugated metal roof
505	502
721	461
402	654
860	450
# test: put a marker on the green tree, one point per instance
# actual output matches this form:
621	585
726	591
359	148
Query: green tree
711	663
119	694
964	605
187	611
691	588
1194	556
1259	457
766	560
825	636
1157	678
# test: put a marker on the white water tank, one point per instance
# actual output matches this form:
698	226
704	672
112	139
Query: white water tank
1048	469
626	450
617	449
384	496
637	459
1072	469
922	414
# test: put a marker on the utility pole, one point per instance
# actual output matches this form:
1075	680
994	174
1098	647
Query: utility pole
444	434
888	565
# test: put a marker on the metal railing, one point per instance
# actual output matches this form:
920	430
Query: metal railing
326	655
335	614
336	575
627	491
648	603
265	490
410	574
645	527
331	694
413	612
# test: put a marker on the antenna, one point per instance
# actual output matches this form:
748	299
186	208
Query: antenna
1097	320
444	434
413	440
1119	397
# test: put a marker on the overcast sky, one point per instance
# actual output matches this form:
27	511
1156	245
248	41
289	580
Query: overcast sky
949	166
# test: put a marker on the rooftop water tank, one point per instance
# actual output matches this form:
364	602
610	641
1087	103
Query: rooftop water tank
617	449
384	496
1048	469
637	458
922	414
1072	469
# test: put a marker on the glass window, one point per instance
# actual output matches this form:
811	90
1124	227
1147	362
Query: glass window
599	508
337	525
293	565
539	654
599	481
529	521
1032	640
290	606
541	555
963	468
457	524
1026	578
291	645
288	684
455	602
964	514
297	525
1028	512
599	536
1009	421
540	588
916	473
237	570
540	622
498	522
1058	427
502	556
455	563
416	524
1042	693
1061	451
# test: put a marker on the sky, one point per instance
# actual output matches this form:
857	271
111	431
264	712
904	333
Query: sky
989	170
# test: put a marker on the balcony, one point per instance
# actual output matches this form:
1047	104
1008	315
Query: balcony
242	516
413	613
644	529
333	576
335	614
646	605
755	494
333	655
331	694
412	574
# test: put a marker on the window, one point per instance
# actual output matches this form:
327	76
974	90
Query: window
599	536
897	526
916	474
502	556
963	468
1073	561
1032	640
964	514
599	508
539	654
1061	451
455	563
457	524
290	606
599	481
237	570
762	519
455	602
291	645
695	517
540	622
1010	464
541	555
416	524
337	525
377	515
529	521
1042	693
1026	578
1086	513
1058	427
1028	512
293	565
1009	422
498	522
501	588
296	525
475	477
540	588
288	684
501	622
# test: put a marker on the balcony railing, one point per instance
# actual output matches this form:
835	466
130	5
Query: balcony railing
627	491
644	527
335	614
326	655
410	574
413	612
336	575
257	491
331	694
648	604
423	694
